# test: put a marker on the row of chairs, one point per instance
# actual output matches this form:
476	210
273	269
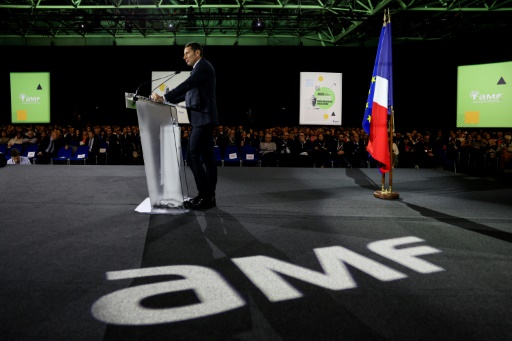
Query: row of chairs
247	155
27	150
233	155
71	155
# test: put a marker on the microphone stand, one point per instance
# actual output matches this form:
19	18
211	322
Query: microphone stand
168	79
136	96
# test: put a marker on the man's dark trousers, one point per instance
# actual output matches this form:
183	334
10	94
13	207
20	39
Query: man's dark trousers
201	160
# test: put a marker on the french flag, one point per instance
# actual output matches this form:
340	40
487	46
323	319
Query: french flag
381	100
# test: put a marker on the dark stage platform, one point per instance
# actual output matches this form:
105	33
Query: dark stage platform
288	254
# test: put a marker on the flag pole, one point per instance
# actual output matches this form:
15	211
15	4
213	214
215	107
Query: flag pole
388	193
391	133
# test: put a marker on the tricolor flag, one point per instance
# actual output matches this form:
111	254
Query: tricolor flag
380	100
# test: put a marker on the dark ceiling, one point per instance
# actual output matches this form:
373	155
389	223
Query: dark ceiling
259	22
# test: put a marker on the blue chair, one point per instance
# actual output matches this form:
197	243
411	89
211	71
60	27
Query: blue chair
17	146
3	148
218	156
81	155
232	156
103	153
63	156
7	153
250	156
30	151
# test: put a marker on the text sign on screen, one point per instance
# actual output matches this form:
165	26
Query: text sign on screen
484	95
30	97
320	98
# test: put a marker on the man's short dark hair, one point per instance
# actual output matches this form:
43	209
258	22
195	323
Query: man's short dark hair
15	152
195	46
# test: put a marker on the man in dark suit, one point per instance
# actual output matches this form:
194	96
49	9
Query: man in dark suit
113	149
198	91
94	147
48	148
301	150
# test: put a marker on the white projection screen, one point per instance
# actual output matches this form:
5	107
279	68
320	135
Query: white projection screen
320	98
159	86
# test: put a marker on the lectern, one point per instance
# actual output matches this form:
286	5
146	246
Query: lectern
160	135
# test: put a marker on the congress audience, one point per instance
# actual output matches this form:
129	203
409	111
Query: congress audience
281	146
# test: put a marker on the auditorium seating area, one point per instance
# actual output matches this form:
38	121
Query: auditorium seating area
454	150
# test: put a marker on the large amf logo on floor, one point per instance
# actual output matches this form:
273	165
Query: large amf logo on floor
216	295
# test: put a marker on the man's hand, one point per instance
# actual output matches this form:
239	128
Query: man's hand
156	97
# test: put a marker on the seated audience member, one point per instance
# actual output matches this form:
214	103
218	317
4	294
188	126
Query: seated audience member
453	147
231	139
268	150
94	148
339	151
30	137
114	149
478	150
356	152
18	139
301	151
4	138
76	138
127	142
17	159
256	140
85	139
284	150
48	148
465	148
504	152
138	154
395	155
65	135
245	140
406	151
424	153
491	146
439	143
321	152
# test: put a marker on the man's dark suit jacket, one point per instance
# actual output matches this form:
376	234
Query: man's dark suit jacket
198	91
94	150
43	145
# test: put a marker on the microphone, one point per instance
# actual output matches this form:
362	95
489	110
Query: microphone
170	76
151	81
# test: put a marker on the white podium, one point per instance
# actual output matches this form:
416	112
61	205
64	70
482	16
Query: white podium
160	136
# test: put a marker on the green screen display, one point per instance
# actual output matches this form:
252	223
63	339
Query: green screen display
30	97
484	96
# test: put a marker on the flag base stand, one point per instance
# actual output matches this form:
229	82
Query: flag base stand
387	195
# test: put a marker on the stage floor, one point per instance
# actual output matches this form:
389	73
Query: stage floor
287	254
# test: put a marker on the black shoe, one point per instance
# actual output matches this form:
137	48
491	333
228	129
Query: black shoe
201	203
194	200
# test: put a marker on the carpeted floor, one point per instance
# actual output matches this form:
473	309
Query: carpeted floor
287	254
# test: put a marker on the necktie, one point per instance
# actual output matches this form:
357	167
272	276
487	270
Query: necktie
50	147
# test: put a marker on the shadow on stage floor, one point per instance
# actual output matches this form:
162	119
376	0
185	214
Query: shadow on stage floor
287	254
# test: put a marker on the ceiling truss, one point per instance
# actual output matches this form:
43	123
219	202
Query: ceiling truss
246	22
